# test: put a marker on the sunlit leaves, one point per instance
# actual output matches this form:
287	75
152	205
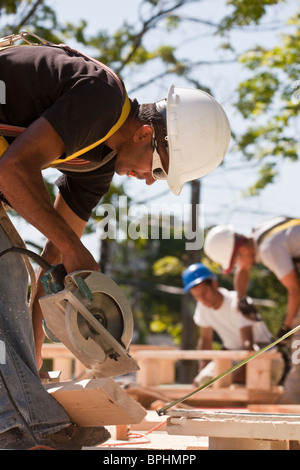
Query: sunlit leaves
246	12
270	98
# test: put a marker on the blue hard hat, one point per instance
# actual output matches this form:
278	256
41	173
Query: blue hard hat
195	274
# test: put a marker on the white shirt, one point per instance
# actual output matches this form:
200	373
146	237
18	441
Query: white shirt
227	321
277	251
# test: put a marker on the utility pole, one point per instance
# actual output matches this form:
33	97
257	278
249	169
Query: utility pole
188	369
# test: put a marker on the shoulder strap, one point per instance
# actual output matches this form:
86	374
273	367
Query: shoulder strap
125	112
3	145
283	225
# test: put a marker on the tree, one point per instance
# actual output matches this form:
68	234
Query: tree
269	99
129	51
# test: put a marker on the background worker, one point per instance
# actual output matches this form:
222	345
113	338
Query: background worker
78	118
275	244
238	326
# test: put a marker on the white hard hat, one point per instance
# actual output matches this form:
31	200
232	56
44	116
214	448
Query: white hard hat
219	245
198	134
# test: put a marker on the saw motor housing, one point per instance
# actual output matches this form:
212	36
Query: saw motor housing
93	319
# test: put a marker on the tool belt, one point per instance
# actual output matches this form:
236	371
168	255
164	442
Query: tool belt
8	130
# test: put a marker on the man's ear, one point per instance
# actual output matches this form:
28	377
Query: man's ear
142	133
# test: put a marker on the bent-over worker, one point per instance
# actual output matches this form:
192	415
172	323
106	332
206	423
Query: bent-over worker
78	118
276	244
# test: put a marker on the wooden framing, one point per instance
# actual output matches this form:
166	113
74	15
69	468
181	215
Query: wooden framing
258	370
63	360
157	374
235	396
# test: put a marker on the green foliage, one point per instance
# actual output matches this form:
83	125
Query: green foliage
154	265
265	85
168	266
270	98
246	12
162	323
10	6
267	174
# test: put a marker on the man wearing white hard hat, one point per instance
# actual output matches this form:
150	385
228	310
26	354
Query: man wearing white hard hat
65	110
275	244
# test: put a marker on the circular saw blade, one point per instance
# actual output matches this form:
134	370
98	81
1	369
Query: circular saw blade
107	312
109	307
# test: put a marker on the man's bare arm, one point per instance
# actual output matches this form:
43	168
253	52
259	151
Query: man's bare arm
53	256
291	283
22	184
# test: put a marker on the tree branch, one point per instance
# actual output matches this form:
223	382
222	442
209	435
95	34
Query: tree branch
30	13
148	24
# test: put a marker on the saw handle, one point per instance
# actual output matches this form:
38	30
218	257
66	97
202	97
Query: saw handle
53	279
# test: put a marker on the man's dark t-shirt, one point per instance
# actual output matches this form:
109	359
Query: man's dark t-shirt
79	98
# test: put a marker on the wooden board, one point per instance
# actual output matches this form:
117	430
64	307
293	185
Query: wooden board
154	364
275	408
96	402
230	430
222	397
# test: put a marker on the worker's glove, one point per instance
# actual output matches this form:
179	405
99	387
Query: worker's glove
282	331
246	307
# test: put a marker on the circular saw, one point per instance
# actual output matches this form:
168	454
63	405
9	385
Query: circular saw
88	312
93	318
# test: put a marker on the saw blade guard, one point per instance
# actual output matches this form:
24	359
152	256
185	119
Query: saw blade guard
93	318
106	303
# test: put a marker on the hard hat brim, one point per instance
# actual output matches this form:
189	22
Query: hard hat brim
198	280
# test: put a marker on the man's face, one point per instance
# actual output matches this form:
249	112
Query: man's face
245	257
134	157
207	294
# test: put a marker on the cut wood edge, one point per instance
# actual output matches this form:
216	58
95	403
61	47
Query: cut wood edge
96	402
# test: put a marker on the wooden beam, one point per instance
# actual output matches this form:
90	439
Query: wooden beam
180	354
215	397
274	408
230	430
97	402
152	373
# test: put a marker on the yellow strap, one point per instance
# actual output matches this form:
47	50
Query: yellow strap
125	112
283	226
3	145
122	119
